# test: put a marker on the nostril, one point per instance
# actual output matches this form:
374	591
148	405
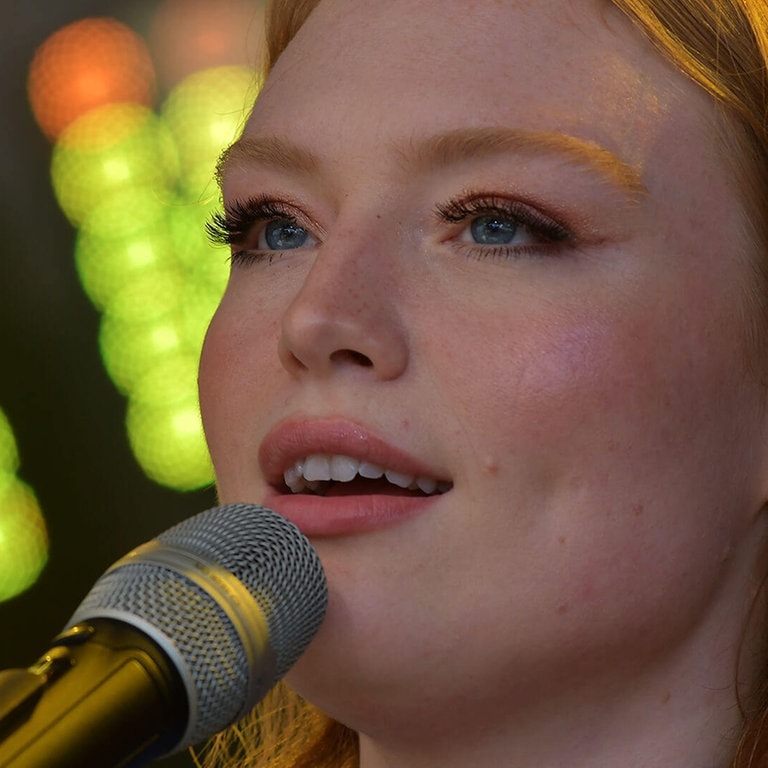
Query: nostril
351	356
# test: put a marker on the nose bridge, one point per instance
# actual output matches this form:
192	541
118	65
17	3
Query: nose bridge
344	314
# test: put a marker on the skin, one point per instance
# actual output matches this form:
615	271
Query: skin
578	598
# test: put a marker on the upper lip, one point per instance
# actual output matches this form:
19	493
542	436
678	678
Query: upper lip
295	439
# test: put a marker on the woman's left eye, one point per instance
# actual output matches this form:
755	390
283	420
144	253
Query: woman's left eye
496	226
492	229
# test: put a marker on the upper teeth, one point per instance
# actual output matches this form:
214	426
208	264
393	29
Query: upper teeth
309	472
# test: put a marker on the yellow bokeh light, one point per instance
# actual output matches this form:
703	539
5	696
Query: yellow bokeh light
105	150
139	186
130	350
23	537
107	264
205	113
168	442
9	453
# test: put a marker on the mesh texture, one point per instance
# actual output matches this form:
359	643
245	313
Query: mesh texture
278	567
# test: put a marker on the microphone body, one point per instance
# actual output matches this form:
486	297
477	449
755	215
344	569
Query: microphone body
102	697
175	641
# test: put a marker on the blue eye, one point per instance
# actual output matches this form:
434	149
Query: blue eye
493	229
284	234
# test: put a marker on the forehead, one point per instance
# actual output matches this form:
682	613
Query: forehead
569	63
362	77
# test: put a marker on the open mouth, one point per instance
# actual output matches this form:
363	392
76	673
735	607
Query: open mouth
336	475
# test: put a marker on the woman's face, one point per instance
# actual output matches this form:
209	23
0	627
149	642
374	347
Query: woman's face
494	249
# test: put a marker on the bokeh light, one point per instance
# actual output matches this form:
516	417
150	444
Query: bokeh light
84	65
205	113
188	36
139	185
167	439
23	536
112	149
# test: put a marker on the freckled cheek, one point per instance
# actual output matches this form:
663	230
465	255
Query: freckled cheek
540	373
233	374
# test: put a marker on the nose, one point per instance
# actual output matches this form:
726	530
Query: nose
345	318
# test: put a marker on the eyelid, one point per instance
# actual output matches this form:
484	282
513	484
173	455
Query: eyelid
472	204
241	217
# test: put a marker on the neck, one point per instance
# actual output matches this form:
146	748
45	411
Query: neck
630	720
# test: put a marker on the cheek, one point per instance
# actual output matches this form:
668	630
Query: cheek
601	431
237	360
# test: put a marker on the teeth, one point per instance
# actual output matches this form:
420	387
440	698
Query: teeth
396	478
370	471
313	471
317	467
426	484
343	468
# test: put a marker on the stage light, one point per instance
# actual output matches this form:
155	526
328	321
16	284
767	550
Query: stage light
23	537
129	350
84	65
139	186
189	36
105	264
167	439
9	453
110	150
205	113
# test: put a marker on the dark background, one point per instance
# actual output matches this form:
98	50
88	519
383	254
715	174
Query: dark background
67	416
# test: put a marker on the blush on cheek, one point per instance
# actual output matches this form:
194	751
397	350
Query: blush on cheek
578	370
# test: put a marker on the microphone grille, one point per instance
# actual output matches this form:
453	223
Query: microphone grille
281	572
275	562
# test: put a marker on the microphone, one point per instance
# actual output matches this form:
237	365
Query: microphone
177	640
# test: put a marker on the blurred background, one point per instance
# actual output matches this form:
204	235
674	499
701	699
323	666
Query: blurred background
113	113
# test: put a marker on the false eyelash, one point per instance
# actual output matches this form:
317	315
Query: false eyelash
458	210
231	226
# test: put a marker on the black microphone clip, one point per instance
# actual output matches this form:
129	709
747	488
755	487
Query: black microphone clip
103	690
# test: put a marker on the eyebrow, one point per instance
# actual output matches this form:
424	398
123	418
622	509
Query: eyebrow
446	149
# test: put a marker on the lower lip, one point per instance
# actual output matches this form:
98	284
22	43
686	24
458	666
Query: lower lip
343	515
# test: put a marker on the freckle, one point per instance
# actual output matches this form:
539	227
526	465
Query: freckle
638	509
561	539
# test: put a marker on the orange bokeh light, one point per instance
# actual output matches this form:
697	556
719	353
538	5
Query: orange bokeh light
87	64
189	35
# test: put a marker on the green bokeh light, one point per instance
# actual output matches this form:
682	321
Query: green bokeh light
23	537
172	381
107	150
140	187
9	453
150	295
205	113
107	264
167	440
130	350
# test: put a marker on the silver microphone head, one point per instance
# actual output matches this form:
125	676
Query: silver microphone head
233	595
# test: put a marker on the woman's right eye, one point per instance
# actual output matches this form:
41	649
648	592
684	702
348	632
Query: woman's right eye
259	227
283	235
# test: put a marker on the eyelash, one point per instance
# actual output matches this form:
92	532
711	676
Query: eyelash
233	226
472	205
239	219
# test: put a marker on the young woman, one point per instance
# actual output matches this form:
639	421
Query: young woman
494	338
